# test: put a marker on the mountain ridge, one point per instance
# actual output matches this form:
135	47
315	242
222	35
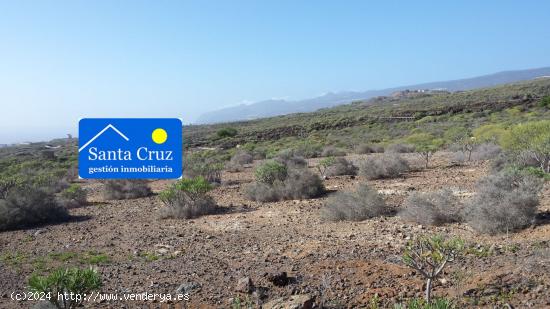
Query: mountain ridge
268	108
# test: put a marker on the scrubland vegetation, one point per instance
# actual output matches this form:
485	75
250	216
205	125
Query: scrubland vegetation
65	281
503	203
360	205
238	161
283	180
432	208
126	189
386	166
27	206
336	167
187	199
339	187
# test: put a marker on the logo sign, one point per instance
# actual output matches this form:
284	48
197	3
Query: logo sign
111	148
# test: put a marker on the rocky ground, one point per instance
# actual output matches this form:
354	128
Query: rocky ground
260	252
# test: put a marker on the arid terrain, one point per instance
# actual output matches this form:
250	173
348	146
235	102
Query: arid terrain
340	264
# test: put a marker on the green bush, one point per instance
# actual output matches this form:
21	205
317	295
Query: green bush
308	149
226	132
489	133
271	171
429	255
51	176
545	102
206	164
75	281
425	144
298	183
456	135
6	184
194	186
537	172
187	199
278	181
531	139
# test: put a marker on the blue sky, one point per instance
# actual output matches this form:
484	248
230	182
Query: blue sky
62	60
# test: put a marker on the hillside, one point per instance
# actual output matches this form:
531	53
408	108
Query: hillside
281	107
350	123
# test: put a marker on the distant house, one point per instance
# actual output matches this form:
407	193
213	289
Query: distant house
409	93
439	91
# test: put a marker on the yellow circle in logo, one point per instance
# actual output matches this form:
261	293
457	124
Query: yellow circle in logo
159	136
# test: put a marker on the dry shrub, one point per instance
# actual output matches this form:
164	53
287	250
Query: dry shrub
308	150
524	158
368	148
302	184
271	171
259	154
362	204
27	206
459	157
299	183
263	192
238	161
400	148
187	199
486	151
206	164
503	202
184	207
341	166
384	166
123	189
290	158
331	151
72	197
432	208
500	162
